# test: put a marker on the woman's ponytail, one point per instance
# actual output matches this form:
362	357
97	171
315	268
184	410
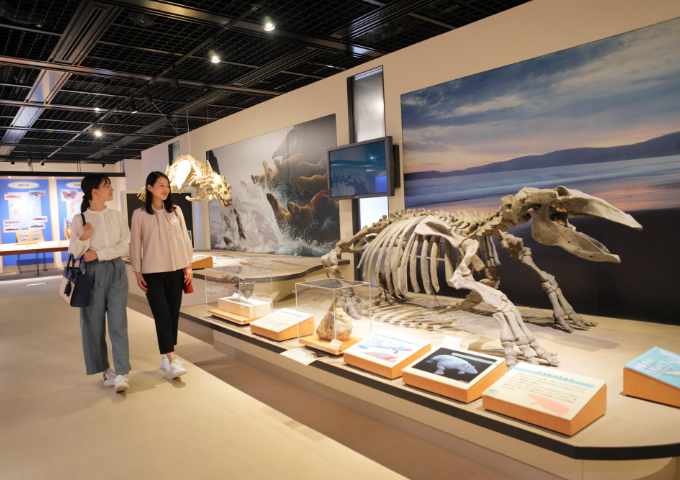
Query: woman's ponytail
85	204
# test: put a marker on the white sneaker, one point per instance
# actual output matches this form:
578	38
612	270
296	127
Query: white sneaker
172	370
109	378
177	369
165	365
121	383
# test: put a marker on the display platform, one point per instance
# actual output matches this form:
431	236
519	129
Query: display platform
632	429
278	272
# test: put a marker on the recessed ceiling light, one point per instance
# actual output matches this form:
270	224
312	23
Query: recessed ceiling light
268	25
98	132
214	58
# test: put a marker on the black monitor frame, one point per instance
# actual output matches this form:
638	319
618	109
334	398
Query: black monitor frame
389	168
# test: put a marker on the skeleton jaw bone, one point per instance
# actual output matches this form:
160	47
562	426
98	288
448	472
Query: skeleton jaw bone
549	211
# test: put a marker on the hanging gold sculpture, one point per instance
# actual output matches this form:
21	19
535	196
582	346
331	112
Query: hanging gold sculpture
188	174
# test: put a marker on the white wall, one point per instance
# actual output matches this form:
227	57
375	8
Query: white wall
530	30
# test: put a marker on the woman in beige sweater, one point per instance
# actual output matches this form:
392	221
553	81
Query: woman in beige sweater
161	254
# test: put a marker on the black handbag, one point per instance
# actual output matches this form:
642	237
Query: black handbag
78	285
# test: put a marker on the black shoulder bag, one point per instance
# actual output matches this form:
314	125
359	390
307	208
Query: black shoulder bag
79	284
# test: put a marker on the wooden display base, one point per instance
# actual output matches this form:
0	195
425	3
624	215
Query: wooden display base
369	355
453	383
313	341
202	262
283	325
231	317
548	397
251	308
636	384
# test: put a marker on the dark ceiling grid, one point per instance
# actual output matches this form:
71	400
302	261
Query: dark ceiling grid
166	122
314	39
84	27
315	17
27	44
18	76
49	15
401	32
289	61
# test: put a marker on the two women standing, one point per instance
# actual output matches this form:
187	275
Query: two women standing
160	252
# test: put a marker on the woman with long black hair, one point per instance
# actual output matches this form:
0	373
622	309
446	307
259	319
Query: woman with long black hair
100	236
161	254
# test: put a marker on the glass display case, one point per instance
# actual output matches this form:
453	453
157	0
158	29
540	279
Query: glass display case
341	308
238	290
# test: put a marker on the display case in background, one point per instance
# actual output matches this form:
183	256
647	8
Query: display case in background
340	308
239	291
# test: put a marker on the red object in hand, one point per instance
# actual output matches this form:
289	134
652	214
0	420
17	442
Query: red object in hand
189	287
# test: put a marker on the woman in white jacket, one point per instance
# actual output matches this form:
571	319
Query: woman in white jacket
101	240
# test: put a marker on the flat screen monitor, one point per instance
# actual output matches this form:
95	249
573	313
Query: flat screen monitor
361	170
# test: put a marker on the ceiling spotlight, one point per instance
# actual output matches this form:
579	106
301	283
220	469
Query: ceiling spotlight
134	111
97	109
42	163
12	162
141	20
268	25
98	132
214	58
103	165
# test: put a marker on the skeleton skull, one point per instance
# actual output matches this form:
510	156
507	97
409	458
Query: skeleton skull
187	173
549	211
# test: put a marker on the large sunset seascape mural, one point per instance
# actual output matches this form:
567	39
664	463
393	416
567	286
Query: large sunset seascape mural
603	118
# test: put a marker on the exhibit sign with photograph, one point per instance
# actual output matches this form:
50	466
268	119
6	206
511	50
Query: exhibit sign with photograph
24	207
455	373
551	398
385	355
602	118
654	375
279	185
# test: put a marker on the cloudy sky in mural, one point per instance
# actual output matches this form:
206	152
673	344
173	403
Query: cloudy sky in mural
617	91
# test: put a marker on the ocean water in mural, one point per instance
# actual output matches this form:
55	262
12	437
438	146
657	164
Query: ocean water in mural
603	118
279	190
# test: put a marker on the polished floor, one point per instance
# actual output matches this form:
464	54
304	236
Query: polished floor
227	419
